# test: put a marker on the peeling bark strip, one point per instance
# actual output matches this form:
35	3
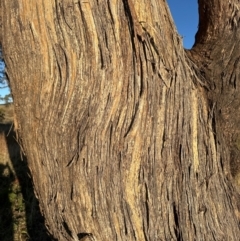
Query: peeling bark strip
128	136
137	28
194	125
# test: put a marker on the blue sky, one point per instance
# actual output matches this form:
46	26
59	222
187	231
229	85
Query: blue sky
3	91
185	15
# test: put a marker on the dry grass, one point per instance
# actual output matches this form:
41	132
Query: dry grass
20	218
8	113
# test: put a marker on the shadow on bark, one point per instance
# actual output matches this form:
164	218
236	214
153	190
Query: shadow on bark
18	177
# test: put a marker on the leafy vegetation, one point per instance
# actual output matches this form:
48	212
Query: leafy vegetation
3	77
7	98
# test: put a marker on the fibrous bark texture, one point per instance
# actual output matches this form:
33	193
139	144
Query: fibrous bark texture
128	136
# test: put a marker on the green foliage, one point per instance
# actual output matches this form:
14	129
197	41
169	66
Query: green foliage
4	81
7	99
3	77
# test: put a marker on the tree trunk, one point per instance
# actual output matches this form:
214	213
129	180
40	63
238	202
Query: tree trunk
128	136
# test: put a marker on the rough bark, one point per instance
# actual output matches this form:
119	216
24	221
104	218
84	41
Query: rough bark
128	136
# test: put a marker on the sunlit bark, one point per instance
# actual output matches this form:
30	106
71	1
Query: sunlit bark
128	136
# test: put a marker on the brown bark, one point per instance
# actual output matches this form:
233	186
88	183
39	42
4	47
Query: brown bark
128	136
